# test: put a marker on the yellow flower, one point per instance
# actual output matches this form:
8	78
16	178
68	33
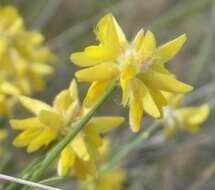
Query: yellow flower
54	122
139	66
23	58
185	118
113	179
84	150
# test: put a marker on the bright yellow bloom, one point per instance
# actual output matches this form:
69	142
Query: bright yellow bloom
55	122
23	58
185	118
138	65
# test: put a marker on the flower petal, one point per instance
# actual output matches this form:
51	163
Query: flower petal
104	124
170	49
164	82
67	159
26	137
138	39
35	106
46	136
148	46
94	92
80	148
9	88
51	119
101	72
109	33
142	93
135	114
23	124
81	59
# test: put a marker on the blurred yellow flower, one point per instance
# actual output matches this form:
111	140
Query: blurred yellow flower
138	65
185	118
55	122
113	179
23	58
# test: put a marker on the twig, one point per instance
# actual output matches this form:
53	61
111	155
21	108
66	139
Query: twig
25	182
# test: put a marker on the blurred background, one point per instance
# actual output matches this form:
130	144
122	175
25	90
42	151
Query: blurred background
183	162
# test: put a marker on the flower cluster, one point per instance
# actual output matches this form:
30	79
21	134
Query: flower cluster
55	122
139	67
23	58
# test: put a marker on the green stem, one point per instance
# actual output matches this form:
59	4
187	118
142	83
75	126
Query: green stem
60	146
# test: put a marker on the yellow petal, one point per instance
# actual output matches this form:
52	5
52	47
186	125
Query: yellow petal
51	119
44	138
26	137
100	53
42	69
80	148
148	46
159	100
73	89
35	106
104	124
101	72
194	115
135	114
62	101
138	40
170	49
143	95
109	33
92	136
67	159
22	124
94	92
81	59
159	67
125	91
164	82
9	88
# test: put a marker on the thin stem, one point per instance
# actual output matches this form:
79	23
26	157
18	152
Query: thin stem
60	146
